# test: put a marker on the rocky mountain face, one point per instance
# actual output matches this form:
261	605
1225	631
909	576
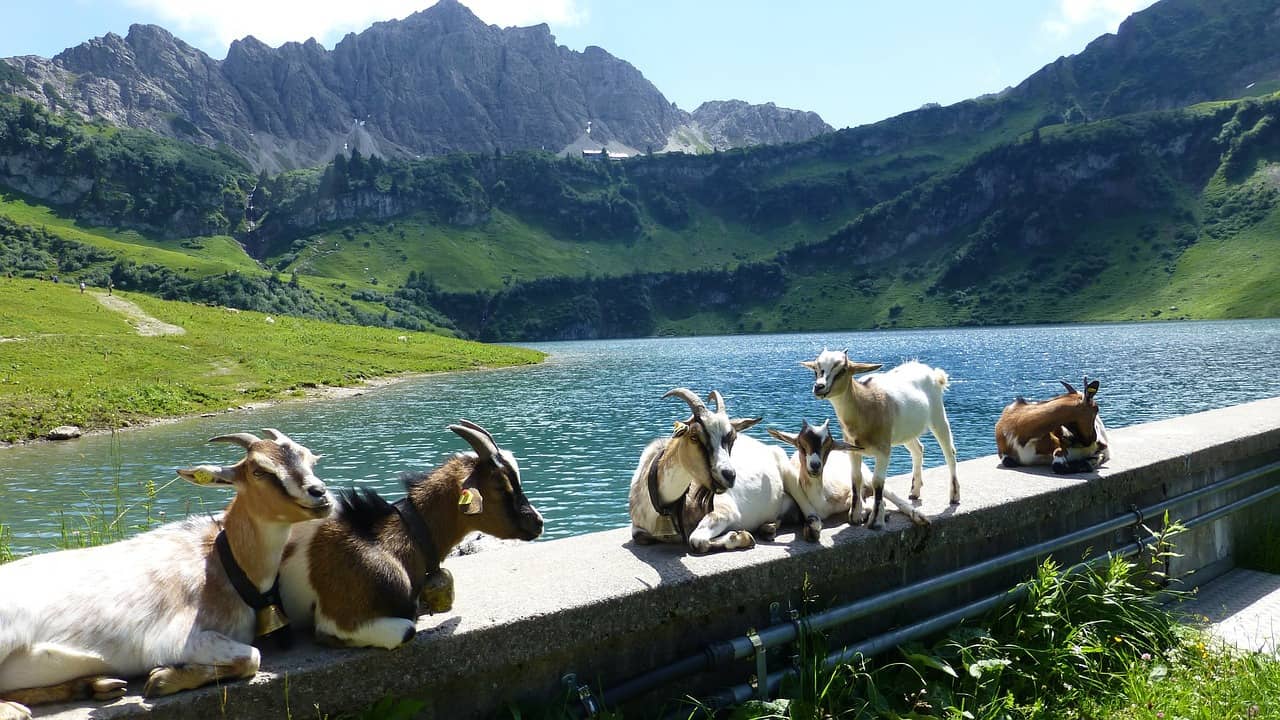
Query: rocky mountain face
437	81
734	123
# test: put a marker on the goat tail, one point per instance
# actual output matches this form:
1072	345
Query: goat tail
941	379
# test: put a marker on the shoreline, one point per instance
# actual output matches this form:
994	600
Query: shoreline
311	394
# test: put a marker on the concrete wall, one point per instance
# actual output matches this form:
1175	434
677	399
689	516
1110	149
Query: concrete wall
601	607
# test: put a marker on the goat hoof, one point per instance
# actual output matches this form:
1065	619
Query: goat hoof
812	534
768	531
160	682
955	499
914	496
105	688
1009	461
14	711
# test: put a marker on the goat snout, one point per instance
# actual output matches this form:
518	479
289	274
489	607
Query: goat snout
531	523
820	389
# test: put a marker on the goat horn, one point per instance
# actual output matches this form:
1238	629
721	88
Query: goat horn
718	399
243	439
468	424
274	434
484	446
685	394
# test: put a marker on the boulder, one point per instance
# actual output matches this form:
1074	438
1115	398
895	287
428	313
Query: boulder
65	432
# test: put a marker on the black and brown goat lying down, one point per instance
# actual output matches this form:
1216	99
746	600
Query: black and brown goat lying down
1065	431
358	577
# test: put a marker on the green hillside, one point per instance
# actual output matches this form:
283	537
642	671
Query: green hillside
67	359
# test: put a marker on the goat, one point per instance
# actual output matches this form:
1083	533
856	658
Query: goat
820	477
173	601
883	410
708	486
358	576
1065	432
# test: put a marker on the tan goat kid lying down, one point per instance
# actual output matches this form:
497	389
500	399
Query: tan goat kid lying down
358	576
1065	432
74	623
821	480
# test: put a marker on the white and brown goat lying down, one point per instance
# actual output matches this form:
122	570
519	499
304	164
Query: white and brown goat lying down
821	479
707	486
77	623
358	576
883	410
1065	432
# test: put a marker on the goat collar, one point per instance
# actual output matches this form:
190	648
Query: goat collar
674	510
419	534
271	622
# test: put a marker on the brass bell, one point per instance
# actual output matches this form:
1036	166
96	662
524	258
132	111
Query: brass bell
270	619
437	591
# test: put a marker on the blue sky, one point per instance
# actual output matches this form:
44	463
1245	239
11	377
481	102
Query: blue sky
853	61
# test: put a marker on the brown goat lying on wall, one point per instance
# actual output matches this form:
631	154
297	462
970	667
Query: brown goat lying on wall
1065	431
358	577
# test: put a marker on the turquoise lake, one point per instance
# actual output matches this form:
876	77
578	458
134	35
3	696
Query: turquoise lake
578	422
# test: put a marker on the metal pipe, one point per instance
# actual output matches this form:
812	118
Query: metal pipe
721	653
876	645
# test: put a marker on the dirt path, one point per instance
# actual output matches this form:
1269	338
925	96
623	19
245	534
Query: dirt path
142	322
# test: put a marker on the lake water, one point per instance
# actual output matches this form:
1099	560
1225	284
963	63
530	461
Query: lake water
578	422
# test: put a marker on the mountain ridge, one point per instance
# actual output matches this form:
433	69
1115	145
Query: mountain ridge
440	80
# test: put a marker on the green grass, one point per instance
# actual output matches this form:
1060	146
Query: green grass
506	250
196	256
76	362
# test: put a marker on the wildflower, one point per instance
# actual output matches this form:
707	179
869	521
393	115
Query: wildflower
1253	710
1146	657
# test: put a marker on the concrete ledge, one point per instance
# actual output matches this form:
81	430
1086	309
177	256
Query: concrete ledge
606	609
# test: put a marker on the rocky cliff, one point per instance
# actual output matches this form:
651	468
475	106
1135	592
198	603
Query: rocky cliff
439	80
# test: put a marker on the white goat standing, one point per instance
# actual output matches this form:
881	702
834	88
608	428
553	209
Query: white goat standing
706	485
821	479
883	410
73	622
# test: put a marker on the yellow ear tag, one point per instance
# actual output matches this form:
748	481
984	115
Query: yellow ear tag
204	477
466	498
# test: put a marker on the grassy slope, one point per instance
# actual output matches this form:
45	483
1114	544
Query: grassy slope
196	256
77	362
508	249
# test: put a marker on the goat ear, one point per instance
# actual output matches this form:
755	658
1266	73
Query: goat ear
859	367
847	447
681	429
208	475
741	424
1091	389
810	364
1068	386
787	438
470	501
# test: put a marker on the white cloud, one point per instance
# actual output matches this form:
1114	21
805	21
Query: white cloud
279	21
1104	15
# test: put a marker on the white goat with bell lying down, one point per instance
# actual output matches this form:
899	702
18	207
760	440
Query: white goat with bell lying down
821	477
362	577
708	486
883	410
74	623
